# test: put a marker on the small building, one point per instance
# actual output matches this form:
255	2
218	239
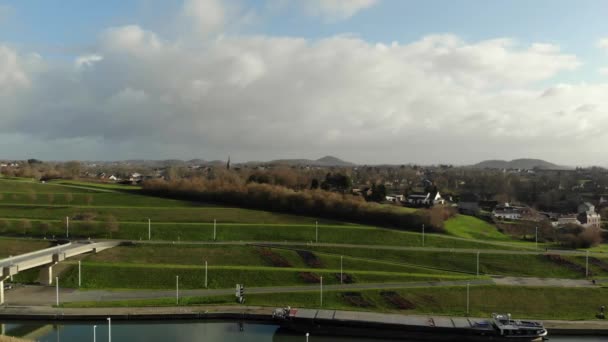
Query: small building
588	217
508	212
425	199
564	220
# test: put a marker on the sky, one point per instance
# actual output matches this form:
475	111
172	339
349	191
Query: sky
369	81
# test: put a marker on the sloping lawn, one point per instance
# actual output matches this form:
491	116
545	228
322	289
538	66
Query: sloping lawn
470	227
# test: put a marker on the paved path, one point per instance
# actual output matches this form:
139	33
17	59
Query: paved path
45	295
543	282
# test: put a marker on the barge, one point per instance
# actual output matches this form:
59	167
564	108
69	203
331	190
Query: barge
500	327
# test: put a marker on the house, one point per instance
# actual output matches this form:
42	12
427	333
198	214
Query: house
113	178
468	204
425	199
508	212
566	220
588	217
395	198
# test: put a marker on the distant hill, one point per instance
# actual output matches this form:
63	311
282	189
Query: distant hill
527	164
325	161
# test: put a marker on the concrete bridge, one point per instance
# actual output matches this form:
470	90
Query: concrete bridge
47	258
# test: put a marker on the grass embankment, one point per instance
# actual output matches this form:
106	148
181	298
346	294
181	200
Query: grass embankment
470	227
155	267
528	302
495	264
10	247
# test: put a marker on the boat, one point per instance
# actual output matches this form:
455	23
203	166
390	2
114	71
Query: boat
500	327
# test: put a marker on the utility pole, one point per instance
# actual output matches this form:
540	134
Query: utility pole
149	229
205	273
214	229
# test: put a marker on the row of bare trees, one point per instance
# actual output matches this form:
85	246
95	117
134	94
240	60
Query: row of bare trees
316	203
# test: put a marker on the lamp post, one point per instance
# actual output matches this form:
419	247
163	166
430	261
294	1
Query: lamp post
214	229
94	333
341	269
536	238
79	274
149	229
109	329
423	235
468	298
478	263
177	290
205	273
67	226
57	290
307	334
321	288
316	231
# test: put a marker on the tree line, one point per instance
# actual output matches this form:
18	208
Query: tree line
308	202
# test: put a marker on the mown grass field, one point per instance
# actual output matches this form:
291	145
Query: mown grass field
521	302
470	227
163	276
10	247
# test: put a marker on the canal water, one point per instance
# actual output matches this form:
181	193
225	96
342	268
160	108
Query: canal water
183	332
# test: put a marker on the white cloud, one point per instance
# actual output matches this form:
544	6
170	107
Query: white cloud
337	9
259	97
87	60
206	16
603	71
603	44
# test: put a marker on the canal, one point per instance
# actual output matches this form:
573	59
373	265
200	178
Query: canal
182	332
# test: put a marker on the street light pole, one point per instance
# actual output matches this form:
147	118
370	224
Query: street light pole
307	334
214	229
321	291
67	226
57	290
316	231
149	229
478	263
109	329
536	239
94	333
177	290
587	264
205	273
341	269
468	297
423	235
79	274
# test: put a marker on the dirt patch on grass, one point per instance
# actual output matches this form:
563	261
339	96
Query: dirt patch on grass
559	260
356	299
346	278
308	277
310	259
272	258
397	301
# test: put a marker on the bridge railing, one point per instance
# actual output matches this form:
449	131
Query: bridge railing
36	253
